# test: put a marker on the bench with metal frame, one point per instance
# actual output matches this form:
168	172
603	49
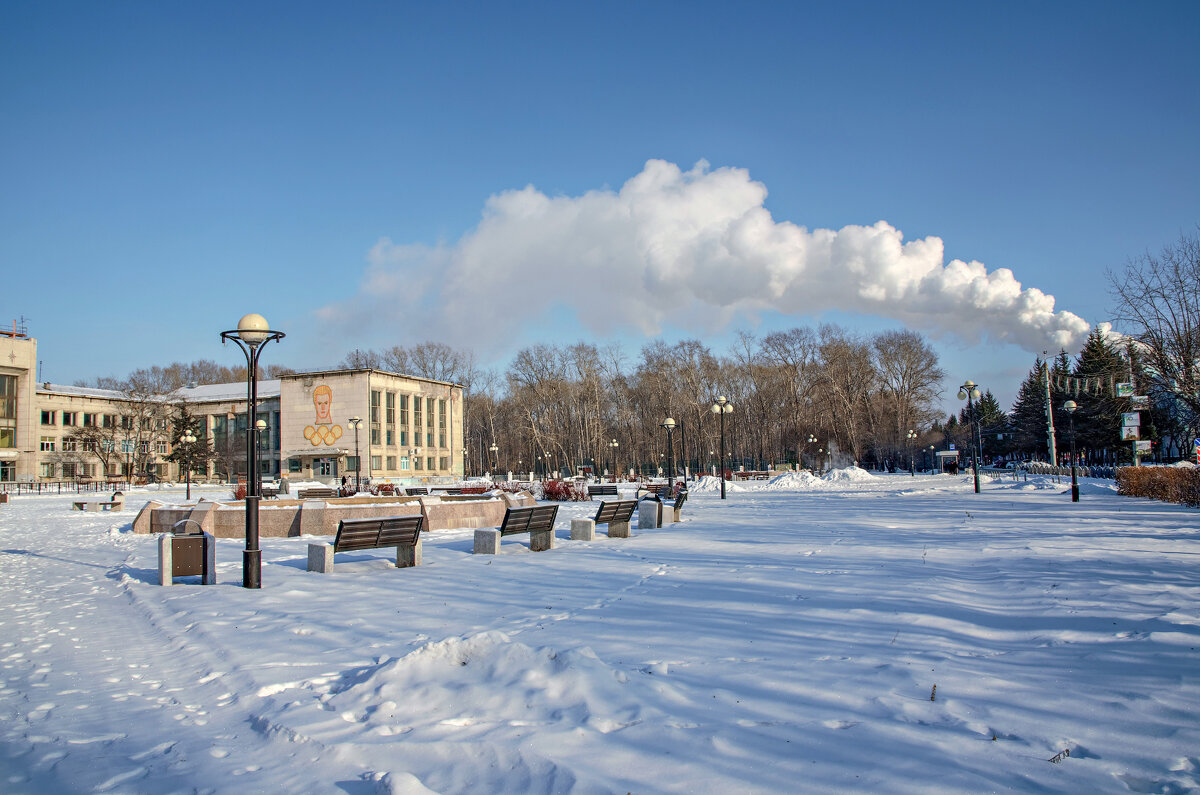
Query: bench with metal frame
537	520
117	503
677	505
401	532
316	493
415	491
601	491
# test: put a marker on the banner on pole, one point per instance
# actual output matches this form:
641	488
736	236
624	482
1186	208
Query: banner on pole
1131	418
1130	432
1124	390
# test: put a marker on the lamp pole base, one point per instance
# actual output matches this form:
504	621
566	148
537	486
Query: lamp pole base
251	568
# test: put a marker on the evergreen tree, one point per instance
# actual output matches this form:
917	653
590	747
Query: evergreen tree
1098	418
1028	415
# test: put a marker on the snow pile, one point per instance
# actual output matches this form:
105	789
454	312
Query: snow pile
848	474
791	481
710	483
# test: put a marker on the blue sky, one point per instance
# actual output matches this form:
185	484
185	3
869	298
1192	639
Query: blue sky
170	167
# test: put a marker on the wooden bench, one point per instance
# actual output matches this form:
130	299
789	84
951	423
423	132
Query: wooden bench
401	532
415	491
652	488
602	491
537	520
269	492
316	493
617	514
117	503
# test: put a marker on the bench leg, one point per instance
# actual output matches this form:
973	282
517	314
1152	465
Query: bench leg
408	555
583	530
541	540
320	558
487	542
619	530
165	560
94	507
675	514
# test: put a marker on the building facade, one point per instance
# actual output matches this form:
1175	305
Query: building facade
410	429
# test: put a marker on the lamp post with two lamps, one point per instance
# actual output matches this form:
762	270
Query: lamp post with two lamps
356	423
251	336
187	440
669	424
912	466
612	447
1070	406
968	392
722	407
495	458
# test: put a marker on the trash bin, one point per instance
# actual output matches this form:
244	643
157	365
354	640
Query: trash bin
187	551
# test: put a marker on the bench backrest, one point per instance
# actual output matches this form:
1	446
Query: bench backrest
680	498
415	491
616	511
306	493
654	488
525	520
386	531
602	490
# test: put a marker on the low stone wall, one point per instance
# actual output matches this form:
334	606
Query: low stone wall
291	518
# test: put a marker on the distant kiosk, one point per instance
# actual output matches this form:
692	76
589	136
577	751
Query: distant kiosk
947	461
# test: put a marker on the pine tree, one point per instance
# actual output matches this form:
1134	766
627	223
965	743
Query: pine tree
1028	415
1098	418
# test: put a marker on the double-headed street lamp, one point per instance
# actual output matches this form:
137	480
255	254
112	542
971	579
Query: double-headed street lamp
931	458
968	392
495	457
356	423
612	447
721	408
1070	406
251	335
669	424
912	466
187	439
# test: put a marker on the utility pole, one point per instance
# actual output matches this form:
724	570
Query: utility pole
1049	413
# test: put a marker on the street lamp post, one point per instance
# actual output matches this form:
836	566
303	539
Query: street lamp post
251	335
612	446
912	466
1070	407
931	459
968	392
721	408
356	423
495	457
259	427
669	424
188	439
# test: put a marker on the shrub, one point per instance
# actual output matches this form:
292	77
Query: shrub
239	491
564	491
1180	485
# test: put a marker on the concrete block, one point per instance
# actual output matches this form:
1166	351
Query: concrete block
541	540
649	514
583	530
408	556
320	558
165	561
487	541
619	530
210	560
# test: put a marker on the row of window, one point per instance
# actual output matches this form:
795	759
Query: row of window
70	445
423	422
417	463
96	419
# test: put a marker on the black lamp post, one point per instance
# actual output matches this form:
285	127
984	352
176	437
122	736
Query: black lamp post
721	408
356	423
669	424
912	466
932	459
259	426
967	392
251	335
495	457
612	461
188	439
1070	407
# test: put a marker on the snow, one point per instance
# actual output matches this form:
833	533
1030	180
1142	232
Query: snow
789	638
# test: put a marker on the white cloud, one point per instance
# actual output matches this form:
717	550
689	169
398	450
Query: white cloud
696	249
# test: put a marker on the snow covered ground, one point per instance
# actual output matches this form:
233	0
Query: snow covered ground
883	634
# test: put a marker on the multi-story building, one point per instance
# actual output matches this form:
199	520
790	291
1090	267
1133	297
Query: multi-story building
408	428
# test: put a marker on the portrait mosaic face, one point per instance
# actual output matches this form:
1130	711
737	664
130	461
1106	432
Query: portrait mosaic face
322	401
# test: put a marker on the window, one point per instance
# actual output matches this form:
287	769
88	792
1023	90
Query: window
391	463
47	444
68	418
127	446
109	421
376	432
444	462
68	469
391	436
47	418
351	463
69	444
48	470
429	463
376	463
108	445
89	445
160	448
144	448
429	422
417	418
442	424
89	420
417	462
390	414
127	422
403	413
403	463
8	417
293	465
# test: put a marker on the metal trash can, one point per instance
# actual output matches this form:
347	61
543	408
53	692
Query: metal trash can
187	551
